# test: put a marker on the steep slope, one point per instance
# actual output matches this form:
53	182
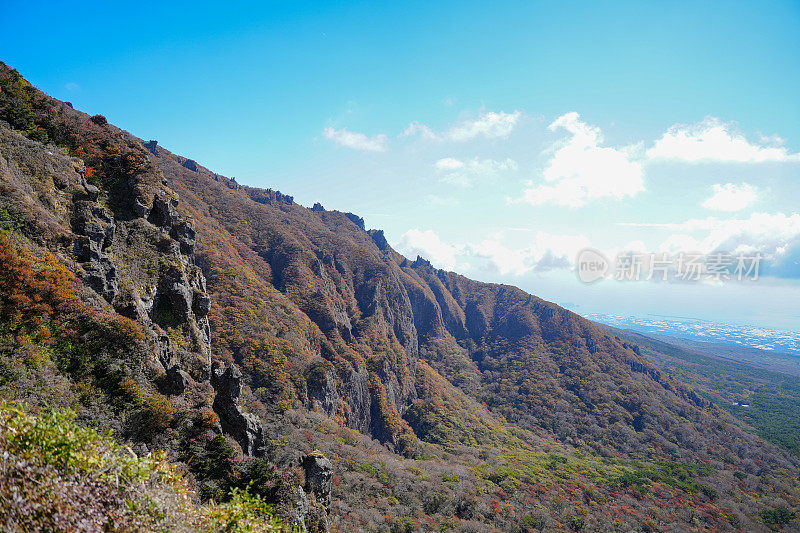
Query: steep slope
287	329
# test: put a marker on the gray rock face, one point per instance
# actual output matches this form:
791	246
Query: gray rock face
101	276
140	208
190	164
152	146
201	304
177	380
379	239
184	233
245	428
174	289
319	475
164	213
91	191
307	517
318	207
358	397
357	220
322	392
96	230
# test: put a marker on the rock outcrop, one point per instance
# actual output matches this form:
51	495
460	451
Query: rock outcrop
96	230
191	164
357	220
245	428
319	475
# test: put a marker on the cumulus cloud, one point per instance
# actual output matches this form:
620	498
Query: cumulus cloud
427	244
731	197
714	140
463	173
355	140
489	124
768	233
582	170
546	252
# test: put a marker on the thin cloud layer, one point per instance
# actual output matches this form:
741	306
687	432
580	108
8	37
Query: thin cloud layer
465	173
356	141
488	125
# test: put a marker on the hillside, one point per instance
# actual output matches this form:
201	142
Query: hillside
245	336
767	399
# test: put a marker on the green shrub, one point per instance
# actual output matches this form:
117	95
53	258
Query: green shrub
777	516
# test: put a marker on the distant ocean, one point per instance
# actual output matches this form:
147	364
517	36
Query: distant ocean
785	342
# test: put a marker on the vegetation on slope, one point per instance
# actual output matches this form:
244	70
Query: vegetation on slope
58	476
767	400
443	403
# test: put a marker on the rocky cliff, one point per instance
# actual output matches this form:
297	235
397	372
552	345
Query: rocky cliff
258	322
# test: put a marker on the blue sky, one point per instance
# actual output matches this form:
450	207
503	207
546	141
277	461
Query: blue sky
497	139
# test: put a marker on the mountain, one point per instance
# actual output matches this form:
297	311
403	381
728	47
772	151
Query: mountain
291	353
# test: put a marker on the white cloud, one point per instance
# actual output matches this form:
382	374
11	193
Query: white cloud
415	128
463	173
768	233
731	197
356	141
489	124
714	140
440	201
546	252
582	170
448	163
427	244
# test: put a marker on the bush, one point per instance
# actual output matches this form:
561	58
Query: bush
58	476
777	516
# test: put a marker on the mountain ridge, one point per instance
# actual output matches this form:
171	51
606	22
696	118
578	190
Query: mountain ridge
271	316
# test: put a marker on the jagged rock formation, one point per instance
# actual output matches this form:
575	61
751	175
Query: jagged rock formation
190	164
246	428
318	473
96	229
